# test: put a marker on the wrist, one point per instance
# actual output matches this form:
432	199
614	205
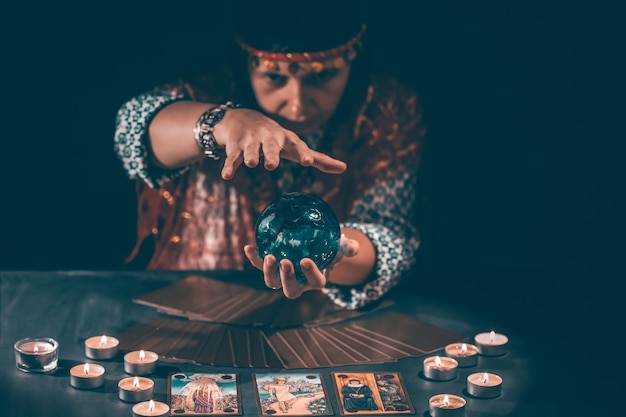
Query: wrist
204	130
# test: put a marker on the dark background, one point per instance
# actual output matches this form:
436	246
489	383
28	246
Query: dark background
519	185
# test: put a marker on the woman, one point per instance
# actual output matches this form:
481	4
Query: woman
281	390
357	396
296	107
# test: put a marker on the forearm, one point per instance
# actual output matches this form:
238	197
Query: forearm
171	134
355	270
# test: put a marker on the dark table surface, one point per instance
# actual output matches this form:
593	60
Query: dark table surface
71	306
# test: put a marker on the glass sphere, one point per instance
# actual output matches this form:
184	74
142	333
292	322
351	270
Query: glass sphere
298	225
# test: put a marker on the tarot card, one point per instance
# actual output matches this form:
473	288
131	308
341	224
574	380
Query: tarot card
137	337
371	393
213	300
203	394
404	330
291	394
261	353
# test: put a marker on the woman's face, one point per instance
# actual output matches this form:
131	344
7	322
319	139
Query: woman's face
301	101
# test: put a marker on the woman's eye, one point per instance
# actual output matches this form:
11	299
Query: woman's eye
276	79
323	75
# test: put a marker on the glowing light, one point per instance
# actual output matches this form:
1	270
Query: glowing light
437	361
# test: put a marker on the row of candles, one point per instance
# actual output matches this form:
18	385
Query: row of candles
41	355
464	355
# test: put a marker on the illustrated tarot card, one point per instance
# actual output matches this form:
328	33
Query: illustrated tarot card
203	394
371	393
291	394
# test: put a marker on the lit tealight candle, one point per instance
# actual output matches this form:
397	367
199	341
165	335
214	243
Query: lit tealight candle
484	385
87	376
491	343
150	409
447	405
101	347
142	362
464	353
36	354
440	368
135	389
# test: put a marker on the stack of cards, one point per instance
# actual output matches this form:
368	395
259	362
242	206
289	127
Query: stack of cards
385	338
203	343
219	323
212	300
376	339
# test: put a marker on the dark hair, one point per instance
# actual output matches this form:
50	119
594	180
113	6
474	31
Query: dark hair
291	26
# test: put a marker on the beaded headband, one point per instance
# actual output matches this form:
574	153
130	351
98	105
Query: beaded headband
341	54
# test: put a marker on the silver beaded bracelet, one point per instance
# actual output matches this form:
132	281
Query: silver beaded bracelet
203	132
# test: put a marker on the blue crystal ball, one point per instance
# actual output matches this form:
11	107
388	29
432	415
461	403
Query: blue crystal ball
296	226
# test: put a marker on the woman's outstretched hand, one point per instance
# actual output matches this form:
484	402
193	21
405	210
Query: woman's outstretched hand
249	136
282	275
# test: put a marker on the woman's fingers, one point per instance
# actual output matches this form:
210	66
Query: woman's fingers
270	273
291	287
232	162
252	253
315	279
257	138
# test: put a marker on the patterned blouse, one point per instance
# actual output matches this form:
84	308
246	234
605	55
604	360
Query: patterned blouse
191	219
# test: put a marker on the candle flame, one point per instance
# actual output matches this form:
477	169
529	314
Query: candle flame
136	382
103	340
484	378
36	349
86	369
151	406
446	400
463	348
492	336
437	361
142	355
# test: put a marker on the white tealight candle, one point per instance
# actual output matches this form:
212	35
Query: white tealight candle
36	354
440	368
464	353
101	347
135	389
150	409
87	376
484	385
447	405
142	362
491	343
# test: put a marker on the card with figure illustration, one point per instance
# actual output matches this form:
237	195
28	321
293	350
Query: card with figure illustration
291	394
371	393
203	394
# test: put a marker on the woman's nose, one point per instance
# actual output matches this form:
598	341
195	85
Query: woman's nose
295	100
